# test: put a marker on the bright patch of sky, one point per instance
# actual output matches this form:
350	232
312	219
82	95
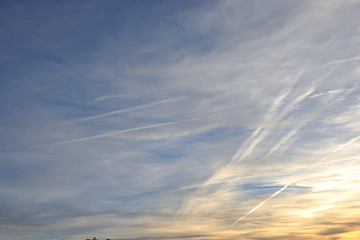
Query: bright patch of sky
179	119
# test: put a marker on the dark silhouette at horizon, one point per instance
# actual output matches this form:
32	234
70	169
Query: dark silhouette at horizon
96	239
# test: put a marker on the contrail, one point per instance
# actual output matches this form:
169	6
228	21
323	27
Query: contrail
336	150
245	149
262	203
344	159
259	134
291	106
282	141
335	91
114	133
284	187
122	110
287	109
341	61
108	96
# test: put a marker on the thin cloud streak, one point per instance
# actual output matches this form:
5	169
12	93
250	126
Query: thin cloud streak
273	113
144	106
257	136
108	97
281	142
262	203
337	149
335	91
273	93
343	159
341	61
115	133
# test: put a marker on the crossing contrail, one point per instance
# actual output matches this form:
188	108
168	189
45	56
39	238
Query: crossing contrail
278	110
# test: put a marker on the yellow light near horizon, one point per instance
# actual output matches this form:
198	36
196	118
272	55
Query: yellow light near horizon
354	235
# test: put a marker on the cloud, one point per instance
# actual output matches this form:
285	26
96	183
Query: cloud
260	204
112	133
338	148
124	110
166	237
169	121
341	61
333	231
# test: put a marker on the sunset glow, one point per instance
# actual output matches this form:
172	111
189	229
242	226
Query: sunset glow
180	119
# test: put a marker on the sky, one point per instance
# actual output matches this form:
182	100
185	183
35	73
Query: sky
192	119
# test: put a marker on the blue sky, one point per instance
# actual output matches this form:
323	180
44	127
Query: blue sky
179	119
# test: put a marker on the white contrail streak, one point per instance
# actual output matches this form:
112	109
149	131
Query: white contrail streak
292	105
114	133
284	187
341	61
108	97
282	141
262	203
336	150
335	91
123	110
344	159
258	135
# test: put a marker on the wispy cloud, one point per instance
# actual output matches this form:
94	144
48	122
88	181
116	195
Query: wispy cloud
341	61
114	133
144	106
106	97
335	91
260	204
192	120
275	113
338	148
282	141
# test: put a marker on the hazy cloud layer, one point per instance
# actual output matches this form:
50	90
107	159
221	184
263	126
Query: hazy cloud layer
180	120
